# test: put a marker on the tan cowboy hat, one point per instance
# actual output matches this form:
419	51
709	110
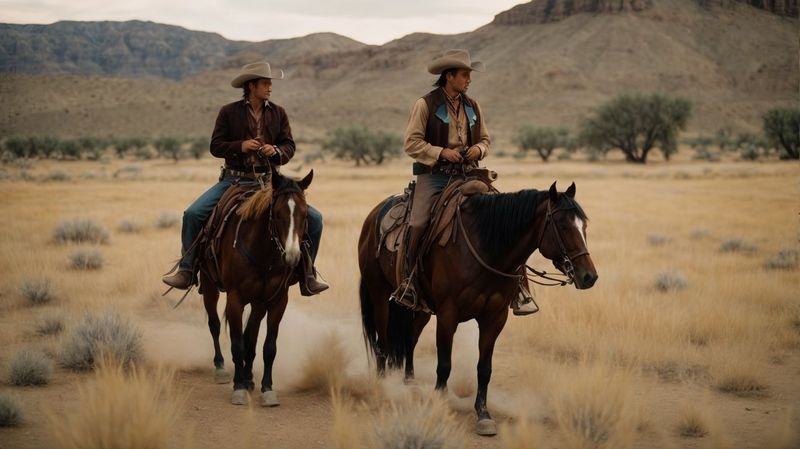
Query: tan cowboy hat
454	59
256	70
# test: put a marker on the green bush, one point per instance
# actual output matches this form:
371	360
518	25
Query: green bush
168	147
635	124
782	129
362	145
542	139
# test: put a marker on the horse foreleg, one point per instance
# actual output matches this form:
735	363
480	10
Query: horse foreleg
489	331
257	312
420	321
276	309
210	298
445	329
233	312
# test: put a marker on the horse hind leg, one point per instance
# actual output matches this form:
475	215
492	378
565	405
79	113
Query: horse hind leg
420	321
210	299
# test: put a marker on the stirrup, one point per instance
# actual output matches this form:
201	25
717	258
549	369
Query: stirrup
524	304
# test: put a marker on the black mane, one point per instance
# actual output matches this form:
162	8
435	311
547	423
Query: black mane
502	218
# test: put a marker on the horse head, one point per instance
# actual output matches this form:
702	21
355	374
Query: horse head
288	215
563	238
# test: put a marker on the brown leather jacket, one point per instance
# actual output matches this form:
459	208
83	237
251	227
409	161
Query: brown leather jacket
232	128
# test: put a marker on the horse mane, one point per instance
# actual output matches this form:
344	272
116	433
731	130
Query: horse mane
502	218
258	203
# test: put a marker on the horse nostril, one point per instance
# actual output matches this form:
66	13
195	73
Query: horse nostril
589	279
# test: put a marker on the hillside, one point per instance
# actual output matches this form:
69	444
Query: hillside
546	65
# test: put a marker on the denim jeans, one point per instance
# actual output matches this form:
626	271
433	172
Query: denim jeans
196	215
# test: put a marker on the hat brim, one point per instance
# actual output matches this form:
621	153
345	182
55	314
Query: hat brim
245	77
439	66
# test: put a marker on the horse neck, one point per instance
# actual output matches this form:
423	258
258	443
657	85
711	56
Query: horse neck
518	247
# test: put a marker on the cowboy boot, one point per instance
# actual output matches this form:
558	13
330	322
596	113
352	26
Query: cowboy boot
181	280
310	284
406	293
524	303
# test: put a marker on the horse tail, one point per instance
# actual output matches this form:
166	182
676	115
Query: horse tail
399	332
368	326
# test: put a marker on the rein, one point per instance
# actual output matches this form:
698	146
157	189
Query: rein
569	270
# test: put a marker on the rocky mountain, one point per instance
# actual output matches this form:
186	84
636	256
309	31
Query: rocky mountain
141	49
546	65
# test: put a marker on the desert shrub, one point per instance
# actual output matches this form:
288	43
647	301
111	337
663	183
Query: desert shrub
167	220
786	259
741	384
658	239
123	410
362	145
129	226
542	139
80	230
86	259
57	176
30	368
417	423
52	325
699	233
168	147
10	411
736	245
69	150
199	147
107	335
635	124
129	171
782	129
18	147
37	291
670	281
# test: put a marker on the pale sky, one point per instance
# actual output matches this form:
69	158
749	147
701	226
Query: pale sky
371	22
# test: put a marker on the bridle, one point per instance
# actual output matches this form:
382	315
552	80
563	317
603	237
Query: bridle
566	262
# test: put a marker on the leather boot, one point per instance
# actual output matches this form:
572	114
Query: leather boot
524	303
181	280
406	293
310	284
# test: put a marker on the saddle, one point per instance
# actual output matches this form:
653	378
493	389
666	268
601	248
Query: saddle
393	217
209	240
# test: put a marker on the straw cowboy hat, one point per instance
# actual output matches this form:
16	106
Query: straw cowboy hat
454	59
256	70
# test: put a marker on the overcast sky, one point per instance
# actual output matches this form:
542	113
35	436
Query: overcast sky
371	22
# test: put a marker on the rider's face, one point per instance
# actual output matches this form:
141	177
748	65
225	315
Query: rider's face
459	81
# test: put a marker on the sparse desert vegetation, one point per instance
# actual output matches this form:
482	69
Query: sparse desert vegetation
30	368
607	367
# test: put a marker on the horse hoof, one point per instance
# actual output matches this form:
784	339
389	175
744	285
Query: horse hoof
239	397
486	427
269	399
221	376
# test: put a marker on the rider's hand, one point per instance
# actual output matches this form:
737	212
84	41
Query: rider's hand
250	145
451	155
474	153
268	150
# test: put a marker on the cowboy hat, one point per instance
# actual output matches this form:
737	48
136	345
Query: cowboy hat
256	70
454	59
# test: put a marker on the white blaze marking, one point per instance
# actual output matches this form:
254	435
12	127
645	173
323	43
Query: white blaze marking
292	244
579	225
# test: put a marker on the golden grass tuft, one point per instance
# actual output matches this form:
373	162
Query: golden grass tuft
420	423
593	406
694	422
346	430
257	204
325	365
522	434
121	409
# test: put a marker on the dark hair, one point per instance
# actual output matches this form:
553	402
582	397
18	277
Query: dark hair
442	81
246	87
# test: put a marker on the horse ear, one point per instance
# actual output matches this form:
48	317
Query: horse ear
571	190
553	192
305	182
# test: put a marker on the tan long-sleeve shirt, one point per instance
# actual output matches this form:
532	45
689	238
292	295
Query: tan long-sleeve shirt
424	152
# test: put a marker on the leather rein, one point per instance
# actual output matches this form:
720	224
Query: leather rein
569	270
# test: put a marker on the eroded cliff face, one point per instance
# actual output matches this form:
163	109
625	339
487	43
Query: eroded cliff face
543	11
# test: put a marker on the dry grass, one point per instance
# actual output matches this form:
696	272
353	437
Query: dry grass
86	259
620	340
30	368
37	291
10	411
694	422
416	423
105	335
121	409
80	230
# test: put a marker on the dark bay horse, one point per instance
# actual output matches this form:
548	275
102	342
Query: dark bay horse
474	277
258	253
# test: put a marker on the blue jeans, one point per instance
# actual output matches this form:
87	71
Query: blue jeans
196	215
